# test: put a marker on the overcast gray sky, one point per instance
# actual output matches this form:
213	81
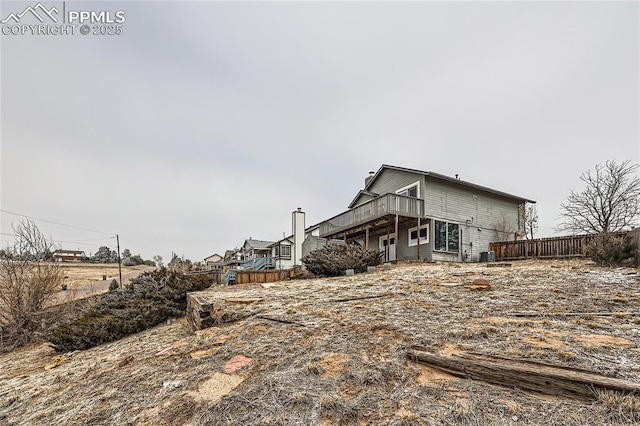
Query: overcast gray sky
205	123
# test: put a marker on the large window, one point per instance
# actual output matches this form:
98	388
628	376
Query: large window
447	236
424	235
412	190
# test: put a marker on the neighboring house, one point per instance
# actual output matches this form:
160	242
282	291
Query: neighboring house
68	255
215	262
232	259
281	251
289	251
257	254
253	249
414	214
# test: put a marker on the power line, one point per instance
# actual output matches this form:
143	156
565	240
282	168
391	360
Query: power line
56	223
88	239
78	242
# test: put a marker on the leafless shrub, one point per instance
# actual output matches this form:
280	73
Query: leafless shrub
609	249
28	280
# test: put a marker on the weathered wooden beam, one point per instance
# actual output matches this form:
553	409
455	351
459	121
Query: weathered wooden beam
349	299
523	374
283	321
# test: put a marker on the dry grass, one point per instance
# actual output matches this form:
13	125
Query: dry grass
82	274
343	362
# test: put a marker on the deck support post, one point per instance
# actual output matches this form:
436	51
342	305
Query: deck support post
386	247
366	237
418	238
396	232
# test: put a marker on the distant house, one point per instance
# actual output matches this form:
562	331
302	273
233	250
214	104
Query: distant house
252	249
68	255
281	251
414	214
288	251
232	259
215	262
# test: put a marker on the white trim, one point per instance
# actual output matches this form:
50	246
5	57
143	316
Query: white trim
446	250
425	240
416	183
393	254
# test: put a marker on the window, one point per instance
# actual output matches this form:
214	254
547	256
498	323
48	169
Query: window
424	235
283	252
447	237
412	190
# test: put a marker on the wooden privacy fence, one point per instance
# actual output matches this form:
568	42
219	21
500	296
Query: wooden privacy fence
216	276
246	277
553	247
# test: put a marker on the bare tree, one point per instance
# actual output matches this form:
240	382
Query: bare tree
505	228
28	279
530	220
179	264
610	201
158	261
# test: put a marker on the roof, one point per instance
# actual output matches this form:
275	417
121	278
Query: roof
362	192
289	238
440	177
257	244
60	251
229	253
213	255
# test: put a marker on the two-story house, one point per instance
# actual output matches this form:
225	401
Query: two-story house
411	214
215	262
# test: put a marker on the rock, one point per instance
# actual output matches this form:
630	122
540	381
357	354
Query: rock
350	272
170	385
480	284
236	363
386	266
371	269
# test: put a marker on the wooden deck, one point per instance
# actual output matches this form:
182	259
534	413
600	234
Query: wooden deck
388	204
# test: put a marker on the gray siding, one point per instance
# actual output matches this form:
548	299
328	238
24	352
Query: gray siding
362	198
406	252
476	212
403	250
391	180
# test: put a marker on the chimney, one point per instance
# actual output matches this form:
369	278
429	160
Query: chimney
298	226
368	179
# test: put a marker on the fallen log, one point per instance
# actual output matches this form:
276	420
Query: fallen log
283	321
349	299
523	374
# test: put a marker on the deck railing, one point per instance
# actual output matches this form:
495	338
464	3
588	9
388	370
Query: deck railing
388	204
259	263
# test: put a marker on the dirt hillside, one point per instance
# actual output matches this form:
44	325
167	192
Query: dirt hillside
315	355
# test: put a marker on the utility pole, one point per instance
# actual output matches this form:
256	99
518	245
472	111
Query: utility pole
119	260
